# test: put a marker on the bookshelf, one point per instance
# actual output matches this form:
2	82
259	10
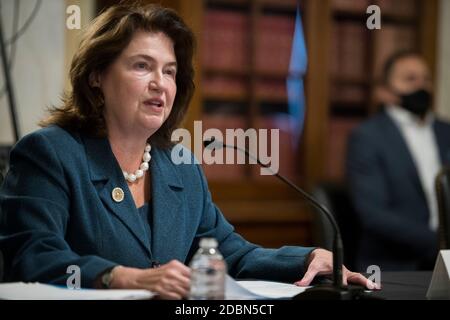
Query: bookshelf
357	57
244	86
262	209
241	69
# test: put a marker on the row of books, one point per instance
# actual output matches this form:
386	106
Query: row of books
287	163
354	6
401	8
349	94
227	40
274	43
235	88
349	53
227	47
280	3
221	86
349	50
339	130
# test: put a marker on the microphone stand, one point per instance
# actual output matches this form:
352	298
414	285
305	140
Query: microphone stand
335	291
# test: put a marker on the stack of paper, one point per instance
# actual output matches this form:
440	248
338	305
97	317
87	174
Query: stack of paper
241	290
251	290
39	291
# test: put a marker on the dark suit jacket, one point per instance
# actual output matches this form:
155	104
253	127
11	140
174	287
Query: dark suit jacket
389	198
57	211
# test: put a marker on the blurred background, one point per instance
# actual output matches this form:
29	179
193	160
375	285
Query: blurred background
246	59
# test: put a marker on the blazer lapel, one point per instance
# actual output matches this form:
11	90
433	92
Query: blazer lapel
106	175
442	138
169	223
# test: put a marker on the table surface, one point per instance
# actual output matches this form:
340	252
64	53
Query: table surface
404	285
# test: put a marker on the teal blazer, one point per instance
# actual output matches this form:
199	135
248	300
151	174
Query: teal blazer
57	210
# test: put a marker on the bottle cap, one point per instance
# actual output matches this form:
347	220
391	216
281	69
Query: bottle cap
208	243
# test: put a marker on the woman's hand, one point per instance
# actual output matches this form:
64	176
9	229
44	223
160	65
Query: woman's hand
320	262
169	281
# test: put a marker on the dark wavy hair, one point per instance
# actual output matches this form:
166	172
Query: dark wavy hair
390	63
102	42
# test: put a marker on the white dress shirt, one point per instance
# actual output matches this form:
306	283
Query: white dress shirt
421	142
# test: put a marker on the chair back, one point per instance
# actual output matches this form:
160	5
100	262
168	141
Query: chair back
442	185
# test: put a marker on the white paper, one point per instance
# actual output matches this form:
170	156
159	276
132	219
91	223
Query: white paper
250	290
272	290
39	291
234	290
440	281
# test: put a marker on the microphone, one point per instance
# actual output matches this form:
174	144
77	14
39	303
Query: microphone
337	290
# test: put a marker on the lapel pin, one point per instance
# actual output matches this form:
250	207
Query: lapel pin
118	194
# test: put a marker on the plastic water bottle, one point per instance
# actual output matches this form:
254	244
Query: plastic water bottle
208	271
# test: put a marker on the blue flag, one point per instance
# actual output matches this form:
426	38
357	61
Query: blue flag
294	81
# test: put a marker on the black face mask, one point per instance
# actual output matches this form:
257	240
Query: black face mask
417	102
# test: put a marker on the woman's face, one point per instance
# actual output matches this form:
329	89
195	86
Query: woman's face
139	87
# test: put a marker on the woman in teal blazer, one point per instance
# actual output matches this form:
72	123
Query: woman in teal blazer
97	189
58	209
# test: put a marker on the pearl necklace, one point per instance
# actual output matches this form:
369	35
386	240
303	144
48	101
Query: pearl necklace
139	173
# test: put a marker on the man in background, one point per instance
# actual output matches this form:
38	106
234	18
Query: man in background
392	161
